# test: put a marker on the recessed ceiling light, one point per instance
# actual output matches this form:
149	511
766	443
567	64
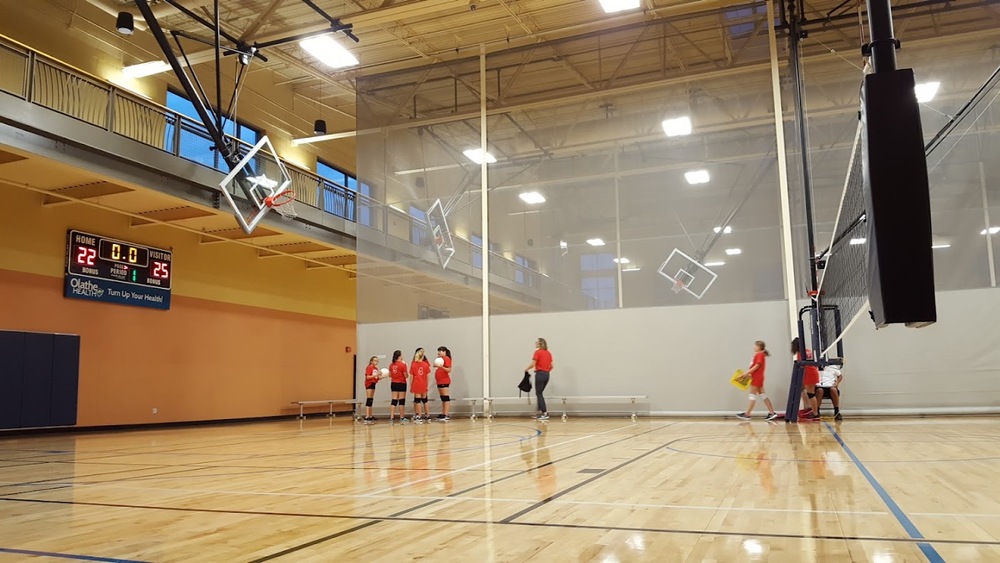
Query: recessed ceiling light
713	264
328	51
595	242
733	251
991	230
677	126
926	91
477	156
860	240
696	177
621	260
145	69
724	230
612	6
532	197
939	246
563	245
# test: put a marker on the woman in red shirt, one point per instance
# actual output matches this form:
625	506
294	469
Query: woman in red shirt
420	368
541	362
397	378
756	372
372	375
442	376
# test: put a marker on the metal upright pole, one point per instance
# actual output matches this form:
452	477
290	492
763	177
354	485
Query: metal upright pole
883	44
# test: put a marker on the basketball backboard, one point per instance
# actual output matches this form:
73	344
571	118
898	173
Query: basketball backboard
687	274
259	175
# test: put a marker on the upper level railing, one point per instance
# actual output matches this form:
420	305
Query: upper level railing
47	82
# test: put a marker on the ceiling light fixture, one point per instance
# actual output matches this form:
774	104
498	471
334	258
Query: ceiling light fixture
926	91
677	126
125	23
319	128
990	230
859	240
145	69
724	230
621	260
631	269
595	242
940	246
612	6
696	177
532	197
714	264
733	251
328	51
478	156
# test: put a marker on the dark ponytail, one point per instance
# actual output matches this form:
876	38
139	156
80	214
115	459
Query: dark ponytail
446	351
396	355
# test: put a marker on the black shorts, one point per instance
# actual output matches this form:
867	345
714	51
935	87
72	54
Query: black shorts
370	386
445	386
397	387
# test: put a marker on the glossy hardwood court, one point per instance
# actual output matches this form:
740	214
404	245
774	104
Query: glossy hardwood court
509	490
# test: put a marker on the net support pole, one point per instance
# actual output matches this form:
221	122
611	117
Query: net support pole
788	255
883	44
986	223
484	222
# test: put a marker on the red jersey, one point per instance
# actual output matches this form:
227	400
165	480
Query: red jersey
420	369
757	377
397	372
543	360
810	375
441	375
371	375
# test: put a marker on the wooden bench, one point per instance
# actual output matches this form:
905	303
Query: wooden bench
473	401
329	402
488	401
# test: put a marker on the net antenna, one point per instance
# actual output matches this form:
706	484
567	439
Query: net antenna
244	165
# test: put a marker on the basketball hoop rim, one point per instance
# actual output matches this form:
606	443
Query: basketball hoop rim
277	200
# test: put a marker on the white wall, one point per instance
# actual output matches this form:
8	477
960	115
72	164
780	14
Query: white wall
682	357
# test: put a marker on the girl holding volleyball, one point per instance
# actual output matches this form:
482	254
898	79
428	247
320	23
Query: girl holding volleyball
442	376
372	375
397	375
420	368
756	373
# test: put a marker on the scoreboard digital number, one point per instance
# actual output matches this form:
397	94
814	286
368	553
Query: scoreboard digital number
106	269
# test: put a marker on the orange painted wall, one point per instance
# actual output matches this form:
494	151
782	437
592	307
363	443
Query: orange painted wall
243	337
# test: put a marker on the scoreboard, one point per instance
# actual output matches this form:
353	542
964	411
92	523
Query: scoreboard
106	269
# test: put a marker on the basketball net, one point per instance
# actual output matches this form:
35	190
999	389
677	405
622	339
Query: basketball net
678	286
283	204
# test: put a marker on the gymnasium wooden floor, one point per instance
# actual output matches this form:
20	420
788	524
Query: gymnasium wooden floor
605	490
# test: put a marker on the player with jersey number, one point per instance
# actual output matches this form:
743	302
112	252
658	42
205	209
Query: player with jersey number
541	362
397	379
372	375
756	373
442	376
420	369
810	377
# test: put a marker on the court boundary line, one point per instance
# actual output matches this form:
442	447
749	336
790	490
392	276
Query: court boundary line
380	519
911	529
66	555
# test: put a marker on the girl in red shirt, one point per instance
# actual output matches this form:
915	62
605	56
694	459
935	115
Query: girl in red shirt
442	376
420	368
541	362
372	375
756	372
810	377
397	378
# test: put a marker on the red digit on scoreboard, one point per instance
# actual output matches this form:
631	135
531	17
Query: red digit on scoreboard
161	270
85	256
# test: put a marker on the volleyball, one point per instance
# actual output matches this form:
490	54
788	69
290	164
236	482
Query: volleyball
439	362
384	372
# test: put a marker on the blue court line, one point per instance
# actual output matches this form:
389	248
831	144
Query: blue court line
65	555
932	555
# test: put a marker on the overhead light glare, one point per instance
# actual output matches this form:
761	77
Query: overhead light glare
595	242
926	91
857	241
733	251
696	177
621	260
328	51
940	246
145	69
714	264
677	126
478	156
612	6
990	231
563	245
631	269
532	197
724	230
